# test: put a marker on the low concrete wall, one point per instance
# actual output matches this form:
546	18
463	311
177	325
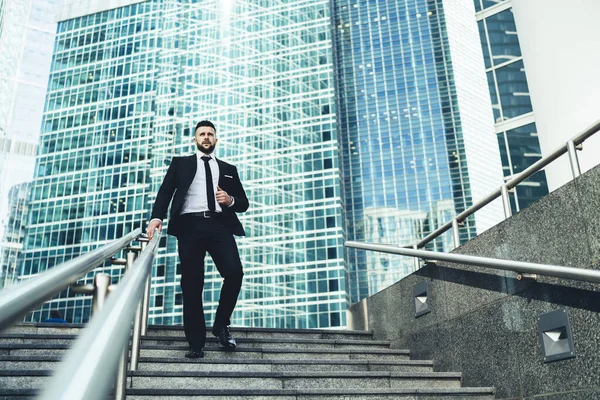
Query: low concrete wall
483	322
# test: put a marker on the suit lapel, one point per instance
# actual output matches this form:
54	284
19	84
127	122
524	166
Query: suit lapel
222	170
190	168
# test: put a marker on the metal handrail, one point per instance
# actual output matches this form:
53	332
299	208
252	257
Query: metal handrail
17	300
83	373
580	274
569	147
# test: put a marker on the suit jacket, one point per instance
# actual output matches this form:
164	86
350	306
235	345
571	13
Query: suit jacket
179	177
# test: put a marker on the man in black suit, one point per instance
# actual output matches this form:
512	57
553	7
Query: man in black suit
207	194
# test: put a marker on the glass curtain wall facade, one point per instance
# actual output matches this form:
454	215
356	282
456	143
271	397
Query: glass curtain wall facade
263	71
26	40
511	102
126	88
92	170
400	133
11	242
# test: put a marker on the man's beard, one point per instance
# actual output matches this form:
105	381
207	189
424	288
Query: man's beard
205	150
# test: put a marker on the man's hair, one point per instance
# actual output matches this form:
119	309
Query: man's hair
205	123
55	314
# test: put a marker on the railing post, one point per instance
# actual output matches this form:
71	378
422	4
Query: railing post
100	291
146	300
572	150
137	332
121	381
455	233
416	260
506	201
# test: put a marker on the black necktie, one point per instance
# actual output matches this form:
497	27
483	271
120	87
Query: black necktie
210	191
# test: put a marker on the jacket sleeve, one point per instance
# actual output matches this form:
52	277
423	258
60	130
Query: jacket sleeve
165	192
241	201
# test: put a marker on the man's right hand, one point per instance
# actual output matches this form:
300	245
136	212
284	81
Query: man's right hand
154	224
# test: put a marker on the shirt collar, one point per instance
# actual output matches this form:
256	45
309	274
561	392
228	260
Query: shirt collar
200	154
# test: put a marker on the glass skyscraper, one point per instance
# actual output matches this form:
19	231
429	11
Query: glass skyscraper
346	121
126	88
408	131
11	241
27	29
511	102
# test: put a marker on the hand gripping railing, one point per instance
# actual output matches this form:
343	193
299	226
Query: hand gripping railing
86	372
17	300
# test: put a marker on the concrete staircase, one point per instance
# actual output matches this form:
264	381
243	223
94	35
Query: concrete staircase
269	364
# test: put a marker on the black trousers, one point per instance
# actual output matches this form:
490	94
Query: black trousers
199	236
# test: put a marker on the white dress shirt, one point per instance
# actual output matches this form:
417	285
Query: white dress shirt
195	198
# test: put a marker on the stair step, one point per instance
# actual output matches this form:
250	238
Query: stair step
483	393
269	364
28	379
243	332
284	342
278	353
292	380
260	365
9	363
168	330
46	362
315	394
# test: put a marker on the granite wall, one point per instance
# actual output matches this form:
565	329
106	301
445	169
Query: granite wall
484	322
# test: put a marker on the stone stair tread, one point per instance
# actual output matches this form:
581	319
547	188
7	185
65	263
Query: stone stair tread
319	374
277	340
26	372
12	346
323	391
469	391
182	360
161	328
284	350
21	335
268	330
39	357
271	361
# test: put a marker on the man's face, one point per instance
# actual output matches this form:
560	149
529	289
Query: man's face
205	139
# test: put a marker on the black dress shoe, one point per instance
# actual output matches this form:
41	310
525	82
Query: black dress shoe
225	339
195	353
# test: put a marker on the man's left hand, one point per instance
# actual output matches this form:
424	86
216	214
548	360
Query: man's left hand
223	198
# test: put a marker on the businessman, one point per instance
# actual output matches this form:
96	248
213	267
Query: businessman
206	194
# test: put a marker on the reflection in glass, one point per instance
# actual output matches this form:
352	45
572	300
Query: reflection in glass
513	90
503	38
523	151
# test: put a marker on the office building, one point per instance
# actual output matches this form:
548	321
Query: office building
128	84
416	130
415	144
515	121
27	29
11	242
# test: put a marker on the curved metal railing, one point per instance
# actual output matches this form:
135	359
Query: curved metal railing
570	147
103	345
19	299
579	274
524	269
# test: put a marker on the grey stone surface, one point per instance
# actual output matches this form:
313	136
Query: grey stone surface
368	382
166	366
23	382
588	187
484	322
194	382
